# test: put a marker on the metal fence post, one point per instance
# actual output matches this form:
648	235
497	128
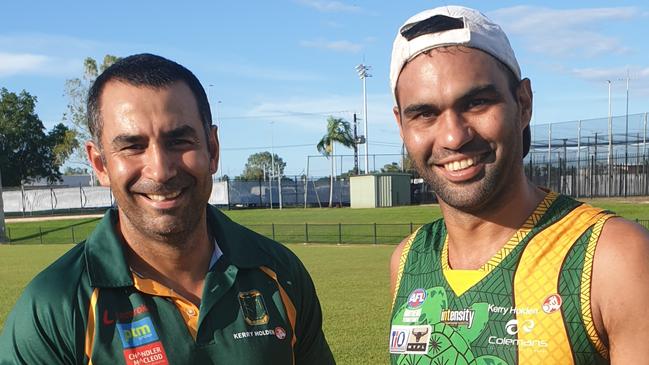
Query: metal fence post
9	234
410	227
306	232
375	233
272	225
40	230
340	233
73	240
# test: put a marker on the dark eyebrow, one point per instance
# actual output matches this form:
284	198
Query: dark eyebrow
479	89
124	139
416	109
182	131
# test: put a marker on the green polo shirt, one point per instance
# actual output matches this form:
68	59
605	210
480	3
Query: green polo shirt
259	306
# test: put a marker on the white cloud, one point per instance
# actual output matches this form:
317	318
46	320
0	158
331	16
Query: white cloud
12	64
330	6
338	46
309	113
45	43
615	73
564	32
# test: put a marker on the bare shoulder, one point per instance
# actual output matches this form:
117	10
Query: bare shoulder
620	288
622	241
394	263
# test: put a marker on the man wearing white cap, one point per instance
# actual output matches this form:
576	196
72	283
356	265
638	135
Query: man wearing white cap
512	273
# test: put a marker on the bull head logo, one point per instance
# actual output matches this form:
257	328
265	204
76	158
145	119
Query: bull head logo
419	335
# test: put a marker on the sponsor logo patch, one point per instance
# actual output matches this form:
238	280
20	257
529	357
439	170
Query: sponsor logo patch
409	339
280	333
411	315
151	354
462	317
512	310
253	307
138	333
552	303
109	318
512	327
258	333
416	298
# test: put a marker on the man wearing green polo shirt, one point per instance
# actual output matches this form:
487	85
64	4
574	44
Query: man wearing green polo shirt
164	278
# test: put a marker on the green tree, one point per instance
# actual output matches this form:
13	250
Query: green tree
76	91
391	167
75	171
338	131
26	151
259	166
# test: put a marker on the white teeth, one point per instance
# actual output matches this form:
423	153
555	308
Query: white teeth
459	165
159	198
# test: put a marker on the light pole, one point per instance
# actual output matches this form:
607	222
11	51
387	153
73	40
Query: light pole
610	140
217	107
626	134
272	162
363	75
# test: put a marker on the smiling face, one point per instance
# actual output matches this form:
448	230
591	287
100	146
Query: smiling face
156	158
462	126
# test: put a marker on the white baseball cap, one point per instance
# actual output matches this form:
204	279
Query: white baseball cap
447	26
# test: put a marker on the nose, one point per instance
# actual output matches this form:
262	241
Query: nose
454	131
159	165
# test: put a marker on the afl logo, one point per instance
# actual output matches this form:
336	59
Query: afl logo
552	303
416	298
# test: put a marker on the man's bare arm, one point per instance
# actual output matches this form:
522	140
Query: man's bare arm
394	265
620	291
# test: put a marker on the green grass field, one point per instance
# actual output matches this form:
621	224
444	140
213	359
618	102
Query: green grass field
352	283
352	280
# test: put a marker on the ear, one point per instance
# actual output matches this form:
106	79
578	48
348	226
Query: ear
524	96
397	117
213	148
98	163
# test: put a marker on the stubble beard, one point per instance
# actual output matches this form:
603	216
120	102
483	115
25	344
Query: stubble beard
171	226
479	194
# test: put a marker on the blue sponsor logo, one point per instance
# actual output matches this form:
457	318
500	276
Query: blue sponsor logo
137	333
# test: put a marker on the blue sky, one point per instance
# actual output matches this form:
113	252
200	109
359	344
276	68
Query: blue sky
279	68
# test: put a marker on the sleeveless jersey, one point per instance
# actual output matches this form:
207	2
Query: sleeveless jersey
529	304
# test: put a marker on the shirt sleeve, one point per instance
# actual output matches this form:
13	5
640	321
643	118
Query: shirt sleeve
311	346
32	335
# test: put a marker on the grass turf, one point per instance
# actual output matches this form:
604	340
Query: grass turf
352	284
301	225
352	280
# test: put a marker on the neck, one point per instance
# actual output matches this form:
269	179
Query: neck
179	263
474	237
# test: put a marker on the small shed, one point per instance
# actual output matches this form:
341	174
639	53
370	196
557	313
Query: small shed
380	190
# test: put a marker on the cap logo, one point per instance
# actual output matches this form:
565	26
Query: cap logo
434	24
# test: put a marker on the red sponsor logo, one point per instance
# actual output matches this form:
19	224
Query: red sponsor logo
107	321
151	354
124	316
280	333
552	303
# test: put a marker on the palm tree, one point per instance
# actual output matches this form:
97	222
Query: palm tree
338	130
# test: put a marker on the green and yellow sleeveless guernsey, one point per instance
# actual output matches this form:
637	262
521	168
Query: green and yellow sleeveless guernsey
529	304
258	306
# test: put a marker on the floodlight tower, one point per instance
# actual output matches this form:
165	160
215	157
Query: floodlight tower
363	75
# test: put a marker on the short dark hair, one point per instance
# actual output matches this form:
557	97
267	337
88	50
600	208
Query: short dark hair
148	70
